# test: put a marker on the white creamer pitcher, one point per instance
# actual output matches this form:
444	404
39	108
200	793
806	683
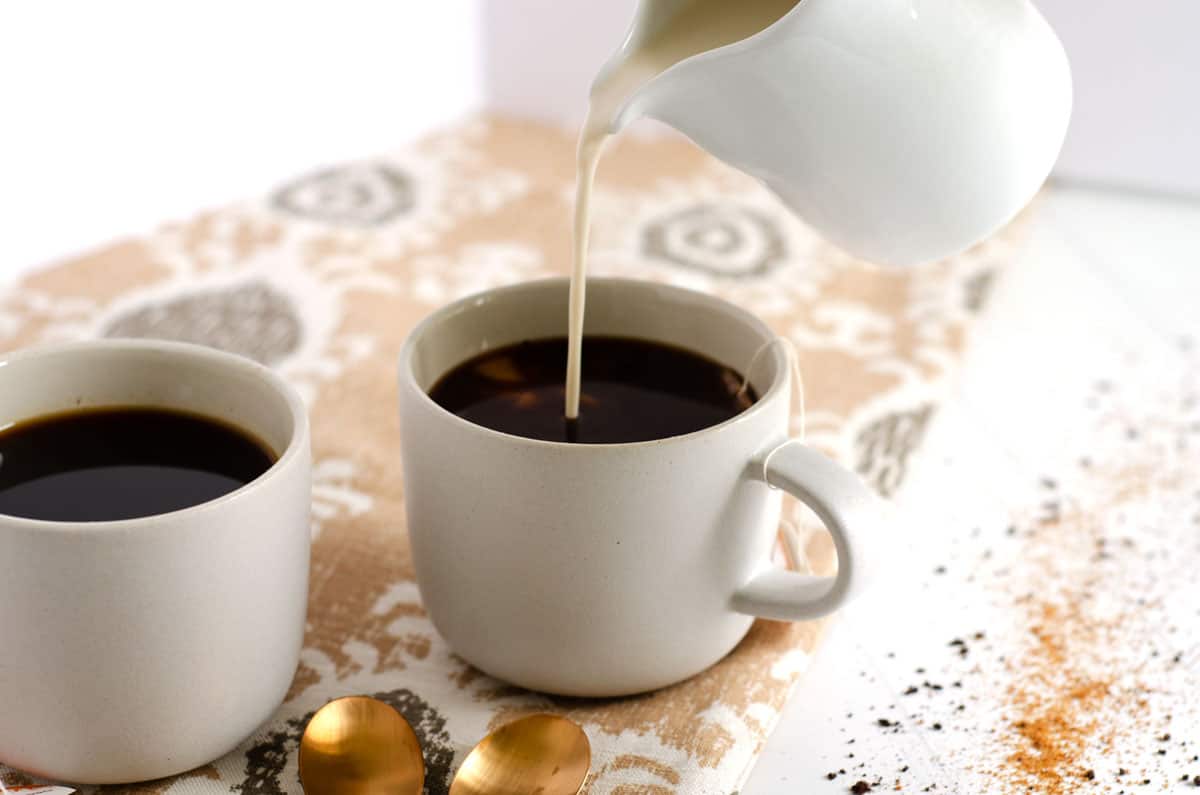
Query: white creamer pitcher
901	130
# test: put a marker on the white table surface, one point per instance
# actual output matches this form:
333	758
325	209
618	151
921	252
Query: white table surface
1102	273
1097	265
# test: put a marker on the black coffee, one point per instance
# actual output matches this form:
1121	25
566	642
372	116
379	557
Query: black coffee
632	391
97	465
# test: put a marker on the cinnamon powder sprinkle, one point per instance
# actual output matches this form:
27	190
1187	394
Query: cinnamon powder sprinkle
1055	706
1085	680
1056	694
1091	681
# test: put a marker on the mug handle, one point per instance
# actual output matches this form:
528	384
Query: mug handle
842	501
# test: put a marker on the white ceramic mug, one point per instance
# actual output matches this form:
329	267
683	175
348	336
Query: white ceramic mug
609	569
141	648
901	130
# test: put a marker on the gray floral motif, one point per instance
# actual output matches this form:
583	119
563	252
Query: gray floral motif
267	759
363	194
978	289
885	444
252	320
721	239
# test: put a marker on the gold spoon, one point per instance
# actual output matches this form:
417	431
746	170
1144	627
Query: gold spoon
360	746
545	754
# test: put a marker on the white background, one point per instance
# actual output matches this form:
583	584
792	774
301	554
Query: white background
1136	122
115	116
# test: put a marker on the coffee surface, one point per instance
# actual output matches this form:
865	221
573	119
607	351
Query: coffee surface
106	464
632	391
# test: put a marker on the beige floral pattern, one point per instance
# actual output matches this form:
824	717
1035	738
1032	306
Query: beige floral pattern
323	279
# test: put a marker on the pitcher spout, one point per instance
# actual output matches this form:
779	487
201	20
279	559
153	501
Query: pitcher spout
667	35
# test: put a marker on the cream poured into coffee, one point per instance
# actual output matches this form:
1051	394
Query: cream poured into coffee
633	391
698	26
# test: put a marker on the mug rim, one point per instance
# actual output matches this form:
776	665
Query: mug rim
743	316
220	358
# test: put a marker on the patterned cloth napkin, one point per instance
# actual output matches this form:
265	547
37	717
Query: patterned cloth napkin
323	278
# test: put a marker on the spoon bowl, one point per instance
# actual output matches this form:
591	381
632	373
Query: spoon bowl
360	746
546	754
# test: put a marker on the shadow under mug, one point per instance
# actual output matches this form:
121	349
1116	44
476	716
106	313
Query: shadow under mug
611	569
141	648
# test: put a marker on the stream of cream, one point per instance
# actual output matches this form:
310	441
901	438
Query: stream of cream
697	26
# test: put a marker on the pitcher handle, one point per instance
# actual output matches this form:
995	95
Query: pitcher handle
852	513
